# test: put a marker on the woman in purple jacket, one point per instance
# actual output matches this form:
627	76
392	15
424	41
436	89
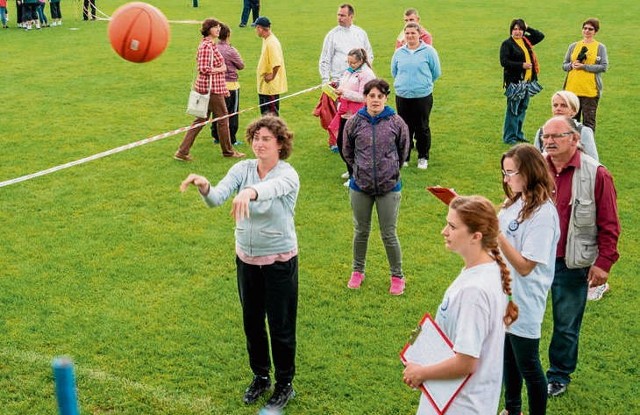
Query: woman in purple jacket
375	146
234	63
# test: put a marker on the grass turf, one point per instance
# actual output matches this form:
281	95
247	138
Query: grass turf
108	263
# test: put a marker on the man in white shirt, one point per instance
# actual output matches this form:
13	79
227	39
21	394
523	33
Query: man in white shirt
338	42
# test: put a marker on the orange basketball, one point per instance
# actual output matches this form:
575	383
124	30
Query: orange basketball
138	32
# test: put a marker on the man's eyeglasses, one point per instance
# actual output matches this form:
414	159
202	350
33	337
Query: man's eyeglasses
509	174
555	136
587	28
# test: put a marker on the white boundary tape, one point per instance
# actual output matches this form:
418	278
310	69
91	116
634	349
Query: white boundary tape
141	142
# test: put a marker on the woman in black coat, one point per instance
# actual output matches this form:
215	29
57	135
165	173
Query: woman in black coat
520	77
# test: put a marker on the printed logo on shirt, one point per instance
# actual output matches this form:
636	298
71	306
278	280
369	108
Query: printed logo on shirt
444	305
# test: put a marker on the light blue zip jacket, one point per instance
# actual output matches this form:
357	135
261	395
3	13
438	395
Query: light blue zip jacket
270	228
414	72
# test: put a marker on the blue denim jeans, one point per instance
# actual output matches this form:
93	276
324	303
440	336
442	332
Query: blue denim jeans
3	15
522	360
514	120
250	6
568	298
41	15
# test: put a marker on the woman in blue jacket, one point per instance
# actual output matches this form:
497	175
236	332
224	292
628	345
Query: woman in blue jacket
415	67
376	144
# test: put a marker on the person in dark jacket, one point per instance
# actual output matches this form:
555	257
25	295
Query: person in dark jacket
520	77
375	146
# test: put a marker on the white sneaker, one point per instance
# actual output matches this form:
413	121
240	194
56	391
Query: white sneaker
345	175
423	164
405	164
596	293
346	184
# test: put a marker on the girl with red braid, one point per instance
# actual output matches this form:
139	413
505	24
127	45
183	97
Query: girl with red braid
472	313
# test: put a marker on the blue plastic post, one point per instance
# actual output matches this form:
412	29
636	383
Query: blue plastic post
65	386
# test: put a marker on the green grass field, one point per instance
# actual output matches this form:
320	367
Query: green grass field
108	263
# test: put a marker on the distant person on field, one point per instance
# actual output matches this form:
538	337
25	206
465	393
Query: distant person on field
56	13
589	232
42	18
473	312
584	63
210	80
3	13
520	77
336	46
266	190
20	10
529	233
376	179
338	42
89	10
566	103
350	93
412	16
415	67
30	14
234	63
271	73
252	6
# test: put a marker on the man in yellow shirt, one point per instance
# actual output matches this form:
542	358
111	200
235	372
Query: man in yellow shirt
271	73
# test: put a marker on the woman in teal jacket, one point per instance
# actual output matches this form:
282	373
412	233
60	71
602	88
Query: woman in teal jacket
266	253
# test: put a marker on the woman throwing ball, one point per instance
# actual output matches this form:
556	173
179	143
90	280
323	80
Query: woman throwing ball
266	253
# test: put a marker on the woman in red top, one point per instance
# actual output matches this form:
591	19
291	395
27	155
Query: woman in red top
210	80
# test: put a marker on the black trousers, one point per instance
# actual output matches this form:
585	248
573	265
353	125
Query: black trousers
269	104
416	112
89	9
270	292
233	104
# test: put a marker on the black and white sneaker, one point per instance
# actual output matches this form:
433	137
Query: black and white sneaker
259	385
556	388
282	394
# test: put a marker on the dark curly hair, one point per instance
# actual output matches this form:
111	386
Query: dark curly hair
379	84
207	25
278	128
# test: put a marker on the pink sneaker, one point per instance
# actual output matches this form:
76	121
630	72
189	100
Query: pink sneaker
397	286
356	280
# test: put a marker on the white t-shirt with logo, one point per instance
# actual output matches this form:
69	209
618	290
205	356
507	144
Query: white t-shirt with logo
471	315
536	239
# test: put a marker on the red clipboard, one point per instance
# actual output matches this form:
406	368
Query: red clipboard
445	194
429	345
